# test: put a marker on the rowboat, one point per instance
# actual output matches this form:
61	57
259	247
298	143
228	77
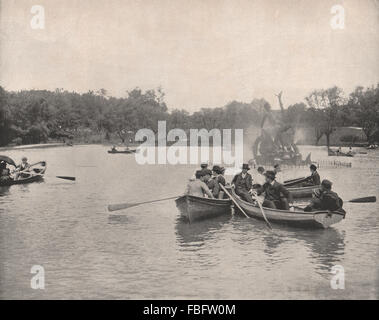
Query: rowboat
124	151
302	192
194	208
339	154
297	218
35	174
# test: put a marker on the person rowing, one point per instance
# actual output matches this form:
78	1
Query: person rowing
203	166
325	199
243	184
276	195
215	181
260	178
24	166
198	187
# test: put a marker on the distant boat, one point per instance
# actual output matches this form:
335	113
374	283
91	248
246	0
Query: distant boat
122	151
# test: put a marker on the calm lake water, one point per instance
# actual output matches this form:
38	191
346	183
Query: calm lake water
146	252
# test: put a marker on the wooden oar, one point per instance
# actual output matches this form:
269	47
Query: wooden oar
234	201
262	211
363	200
126	205
66	178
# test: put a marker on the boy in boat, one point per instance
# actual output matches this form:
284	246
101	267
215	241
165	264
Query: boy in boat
22	167
203	166
215	181
243	183
325	199
198	187
276	195
314	179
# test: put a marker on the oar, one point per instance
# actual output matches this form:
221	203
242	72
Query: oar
363	200
234	201
66	178
126	205
262	211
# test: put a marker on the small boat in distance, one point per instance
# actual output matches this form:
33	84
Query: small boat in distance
296	218
193	208
122	151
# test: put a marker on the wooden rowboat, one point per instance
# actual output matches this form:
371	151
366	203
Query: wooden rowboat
302	192
299	218
194	208
35	174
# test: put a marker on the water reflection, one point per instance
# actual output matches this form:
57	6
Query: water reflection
4	191
195	234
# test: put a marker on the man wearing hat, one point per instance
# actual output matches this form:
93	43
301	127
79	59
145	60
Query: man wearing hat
23	166
325	199
243	182
214	182
198	187
276	195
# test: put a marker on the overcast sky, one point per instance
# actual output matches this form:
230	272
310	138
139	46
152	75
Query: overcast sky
204	53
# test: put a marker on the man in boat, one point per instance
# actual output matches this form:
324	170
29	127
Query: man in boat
243	183
278	173
22	167
198	187
215	181
276	195
203	166
325	199
114	148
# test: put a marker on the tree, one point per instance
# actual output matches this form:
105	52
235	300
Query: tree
365	105
325	106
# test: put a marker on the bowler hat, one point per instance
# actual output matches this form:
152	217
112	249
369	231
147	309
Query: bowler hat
204	165
270	174
205	172
245	166
327	184
217	169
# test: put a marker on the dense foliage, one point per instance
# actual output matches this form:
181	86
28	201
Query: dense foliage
34	116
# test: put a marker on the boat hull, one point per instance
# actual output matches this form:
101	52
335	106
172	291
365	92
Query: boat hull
302	192
194	208
125	151
312	220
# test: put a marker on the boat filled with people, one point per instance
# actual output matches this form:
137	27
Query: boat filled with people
23	173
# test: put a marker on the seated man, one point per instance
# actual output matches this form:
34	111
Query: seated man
325	199
215	181
22	167
276	195
198	187
243	183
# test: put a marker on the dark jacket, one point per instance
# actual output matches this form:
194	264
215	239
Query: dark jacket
327	200
275	191
214	185
243	184
315	178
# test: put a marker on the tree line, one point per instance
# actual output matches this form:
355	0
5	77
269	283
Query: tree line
36	116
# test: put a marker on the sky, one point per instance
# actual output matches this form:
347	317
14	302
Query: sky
203	53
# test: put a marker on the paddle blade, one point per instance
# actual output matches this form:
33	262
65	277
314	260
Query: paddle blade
121	206
67	178
363	200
